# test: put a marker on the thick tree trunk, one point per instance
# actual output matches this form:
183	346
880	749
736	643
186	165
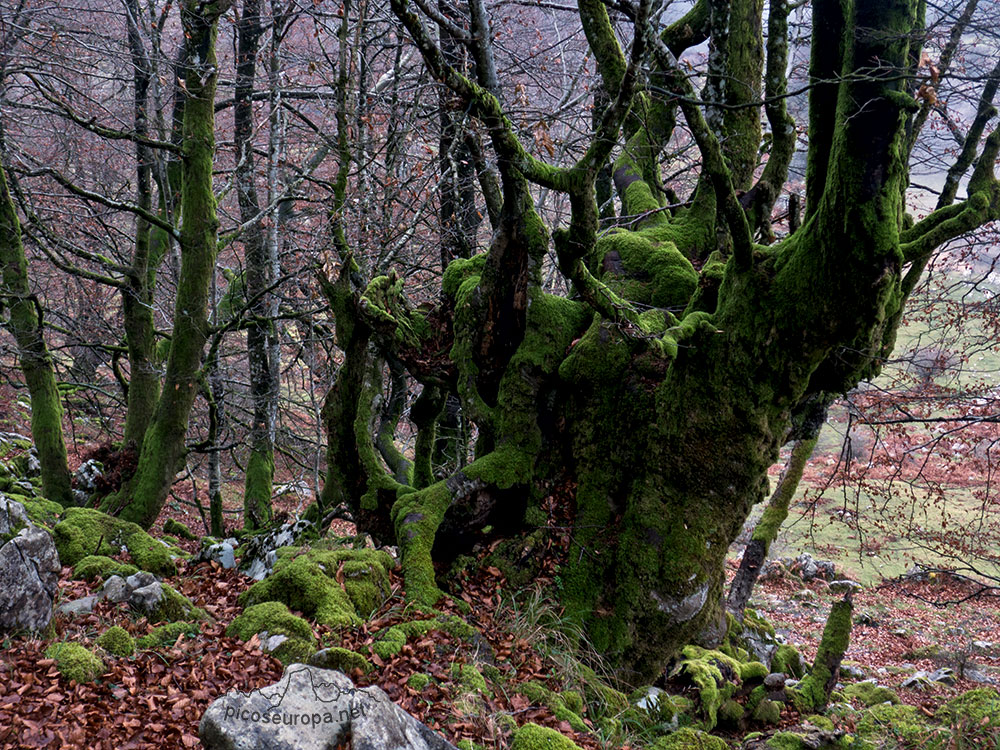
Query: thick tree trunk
669	422
163	445
346	479
36	364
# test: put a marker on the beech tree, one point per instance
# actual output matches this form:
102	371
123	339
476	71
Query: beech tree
696	340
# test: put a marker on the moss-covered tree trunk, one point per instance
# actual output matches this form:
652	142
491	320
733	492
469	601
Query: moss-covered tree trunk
36	363
260	465
163	444
150	248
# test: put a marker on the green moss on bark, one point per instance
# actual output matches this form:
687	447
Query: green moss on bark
258	489
36	363
814	691
163	442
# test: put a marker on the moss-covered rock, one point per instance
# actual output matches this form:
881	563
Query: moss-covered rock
167	635
716	676
174	606
534	737
787	659
271	617
95	566
75	662
820	722
41	512
117	641
689	739
274	618
294	651
85	531
767	712
341	659
469	678
869	693
309	582
178	529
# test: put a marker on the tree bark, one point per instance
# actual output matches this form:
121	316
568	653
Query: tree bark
36	363
260	465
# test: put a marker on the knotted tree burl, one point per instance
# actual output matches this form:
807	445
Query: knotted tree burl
693	341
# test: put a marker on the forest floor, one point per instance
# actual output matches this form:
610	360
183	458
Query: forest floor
155	699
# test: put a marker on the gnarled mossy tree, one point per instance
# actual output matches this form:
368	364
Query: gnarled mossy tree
693	341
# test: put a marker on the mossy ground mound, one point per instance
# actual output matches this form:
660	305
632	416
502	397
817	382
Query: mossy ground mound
117	641
390	641
75	662
870	694
342	659
534	737
689	739
335	587
166	635
541	695
83	532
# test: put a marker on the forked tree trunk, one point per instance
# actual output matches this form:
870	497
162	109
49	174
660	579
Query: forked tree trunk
163	445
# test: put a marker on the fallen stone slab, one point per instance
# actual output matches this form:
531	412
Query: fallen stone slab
313	709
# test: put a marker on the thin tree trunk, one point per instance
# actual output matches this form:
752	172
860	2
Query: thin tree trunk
36	364
766	530
260	466
137	297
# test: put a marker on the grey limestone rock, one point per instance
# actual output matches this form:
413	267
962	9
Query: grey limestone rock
313	709
29	570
